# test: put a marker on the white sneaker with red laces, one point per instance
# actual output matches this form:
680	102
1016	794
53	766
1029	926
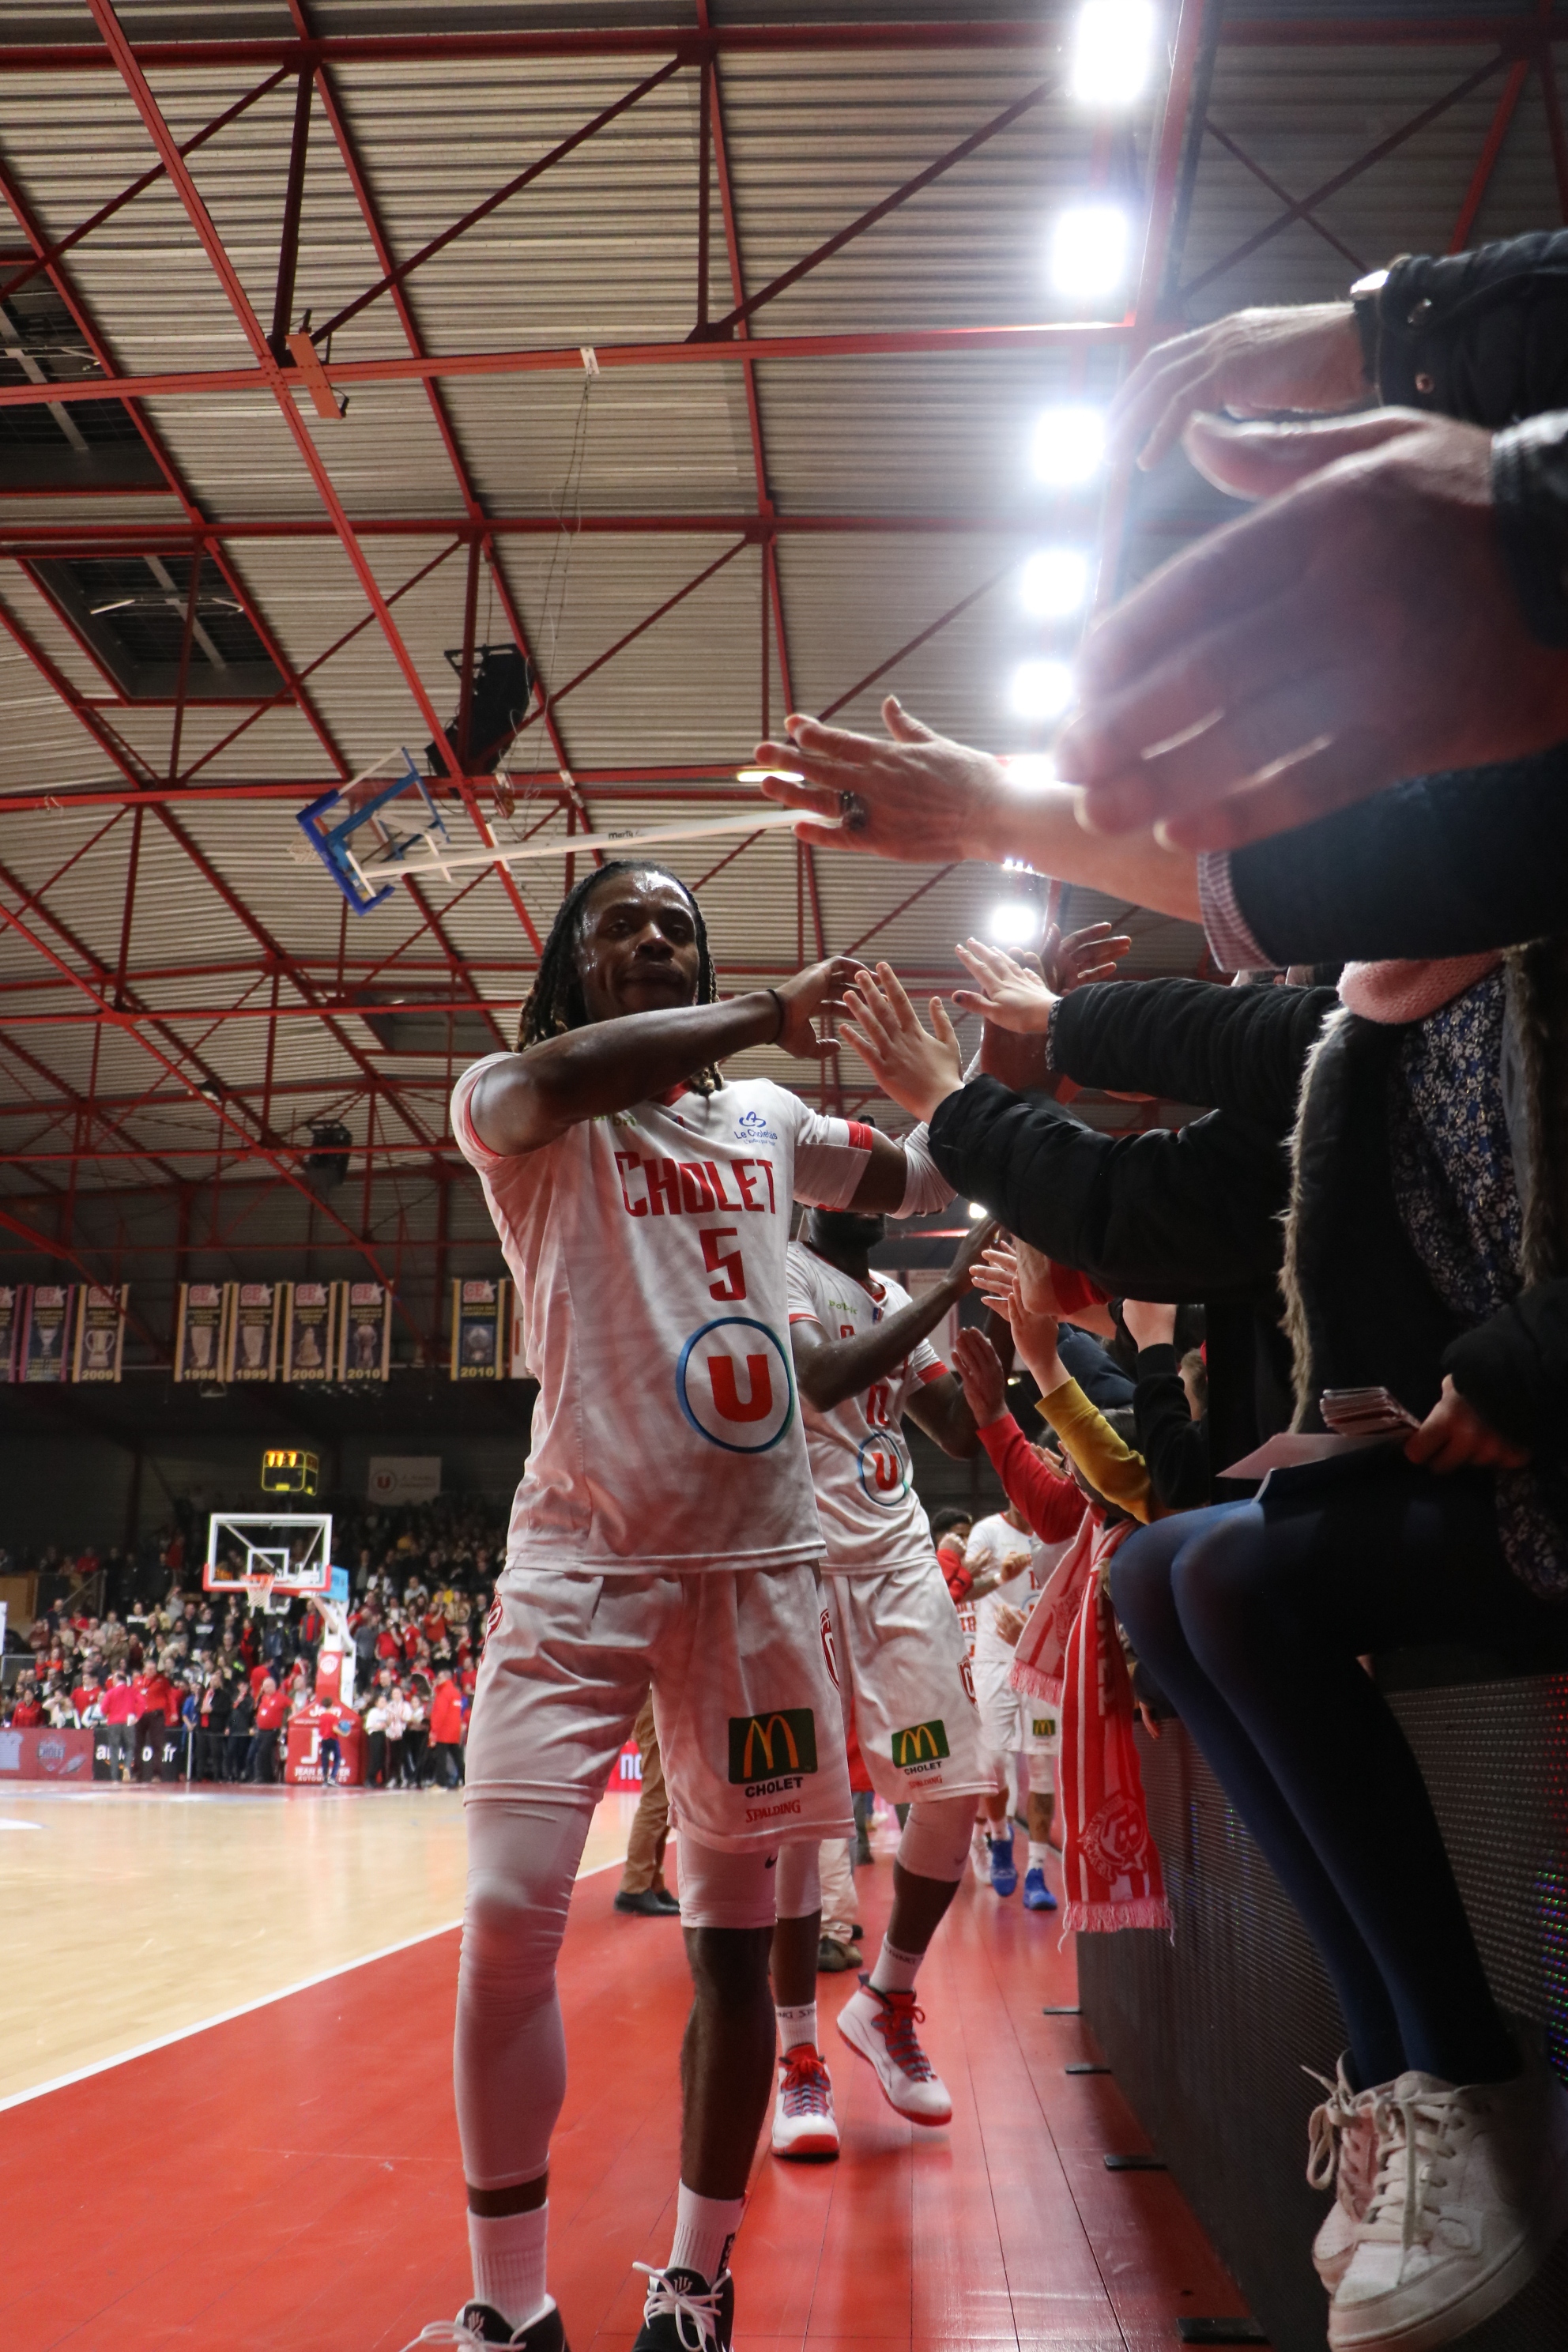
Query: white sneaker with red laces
1470	2193
881	2027
804	2121
1342	2154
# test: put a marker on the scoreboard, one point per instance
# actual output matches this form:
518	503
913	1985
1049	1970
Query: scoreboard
285	1470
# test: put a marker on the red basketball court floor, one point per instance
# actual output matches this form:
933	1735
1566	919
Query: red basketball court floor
289	2182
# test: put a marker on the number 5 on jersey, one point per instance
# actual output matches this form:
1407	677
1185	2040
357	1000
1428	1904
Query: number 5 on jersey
722	1262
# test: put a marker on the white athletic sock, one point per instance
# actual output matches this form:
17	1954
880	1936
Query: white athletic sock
508	2250
705	2231
895	1971
1038	1849
797	2025
999	1832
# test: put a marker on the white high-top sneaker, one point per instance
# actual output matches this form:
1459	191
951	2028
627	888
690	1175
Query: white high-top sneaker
1342	2154
1471	2192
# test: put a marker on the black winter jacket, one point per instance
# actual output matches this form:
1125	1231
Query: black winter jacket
1190	1215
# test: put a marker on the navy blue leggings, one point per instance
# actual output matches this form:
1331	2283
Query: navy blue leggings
1251	1619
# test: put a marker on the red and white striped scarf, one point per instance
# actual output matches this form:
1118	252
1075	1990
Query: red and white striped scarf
1069	1652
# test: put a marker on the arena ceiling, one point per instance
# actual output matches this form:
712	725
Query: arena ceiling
693	350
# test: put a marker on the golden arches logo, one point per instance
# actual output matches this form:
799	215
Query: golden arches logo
762	1746
920	1743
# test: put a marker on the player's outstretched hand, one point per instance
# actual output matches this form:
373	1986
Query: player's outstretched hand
1256	363
919	796
817	990
1453	1437
1008	994
1086	955
980	1373
973	1248
916	1068
1359	627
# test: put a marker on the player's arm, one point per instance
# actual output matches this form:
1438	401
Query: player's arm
941	1408
525	1100
829	1370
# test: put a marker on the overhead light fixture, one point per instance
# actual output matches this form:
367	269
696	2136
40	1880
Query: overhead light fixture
766	775
1069	446
1042	689
1113	52
1088	251
976	1211
1055	583
1015	922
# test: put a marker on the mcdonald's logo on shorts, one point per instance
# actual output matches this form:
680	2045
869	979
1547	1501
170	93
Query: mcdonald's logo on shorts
764	1746
1043	1727
920	1743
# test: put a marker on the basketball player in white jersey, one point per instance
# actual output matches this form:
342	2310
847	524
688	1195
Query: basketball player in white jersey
665	1529
863	1361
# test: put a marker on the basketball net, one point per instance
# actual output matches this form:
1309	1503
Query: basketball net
258	1595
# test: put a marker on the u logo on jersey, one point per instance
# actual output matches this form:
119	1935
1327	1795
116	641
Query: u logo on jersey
884	1469
734	1385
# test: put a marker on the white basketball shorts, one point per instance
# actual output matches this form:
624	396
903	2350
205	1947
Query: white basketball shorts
904	1675
748	1715
1010	1720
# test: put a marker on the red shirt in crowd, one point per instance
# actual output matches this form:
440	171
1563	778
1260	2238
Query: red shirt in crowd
25	1714
447	1714
82	1697
118	1703
257	1676
272	1711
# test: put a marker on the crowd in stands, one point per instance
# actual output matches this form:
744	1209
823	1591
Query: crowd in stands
225	1679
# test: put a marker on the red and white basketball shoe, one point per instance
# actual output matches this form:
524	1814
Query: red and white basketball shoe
805	2125
881	2027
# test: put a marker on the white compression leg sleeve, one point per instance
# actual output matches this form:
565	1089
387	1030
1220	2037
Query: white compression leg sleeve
721	1889
797	1891
935	1842
509	2056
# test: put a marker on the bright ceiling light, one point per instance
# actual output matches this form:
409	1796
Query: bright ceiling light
1042	689
1030	767
1088	251
1070	444
976	1211
764	775
1015	922
1055	583
1113	52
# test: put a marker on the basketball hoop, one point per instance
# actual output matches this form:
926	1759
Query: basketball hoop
259	1596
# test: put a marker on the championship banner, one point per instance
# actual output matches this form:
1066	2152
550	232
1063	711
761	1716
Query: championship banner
202	1331
480	1317
366	1347
310	1331
100	1349
252	1352
12	1305
45	1333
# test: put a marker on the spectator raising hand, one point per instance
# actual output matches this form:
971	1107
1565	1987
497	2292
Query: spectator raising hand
916	1068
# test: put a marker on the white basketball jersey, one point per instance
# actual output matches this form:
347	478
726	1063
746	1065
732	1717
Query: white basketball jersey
649	1252
871	1515
994	1543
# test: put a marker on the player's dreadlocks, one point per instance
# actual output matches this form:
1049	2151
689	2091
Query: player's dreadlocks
555	1004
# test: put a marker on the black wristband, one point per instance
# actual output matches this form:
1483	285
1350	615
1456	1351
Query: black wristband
778	1000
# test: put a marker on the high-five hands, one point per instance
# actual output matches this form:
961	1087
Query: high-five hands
919	1069
805	996
980	1373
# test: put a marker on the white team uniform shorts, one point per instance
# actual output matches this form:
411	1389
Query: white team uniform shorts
904	1677
1011	1720
743	1698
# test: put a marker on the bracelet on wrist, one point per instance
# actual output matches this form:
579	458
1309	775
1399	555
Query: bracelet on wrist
778	1000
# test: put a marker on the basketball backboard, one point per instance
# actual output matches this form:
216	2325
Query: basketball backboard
291	1550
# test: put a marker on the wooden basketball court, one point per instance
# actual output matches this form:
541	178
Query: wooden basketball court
278	2172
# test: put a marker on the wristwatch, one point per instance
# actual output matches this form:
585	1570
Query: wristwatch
1366	306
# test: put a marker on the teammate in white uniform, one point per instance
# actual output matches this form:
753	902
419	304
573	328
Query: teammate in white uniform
1010	1566
665	1529
863	1361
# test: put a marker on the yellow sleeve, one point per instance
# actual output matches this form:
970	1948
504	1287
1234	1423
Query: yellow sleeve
1113	1469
